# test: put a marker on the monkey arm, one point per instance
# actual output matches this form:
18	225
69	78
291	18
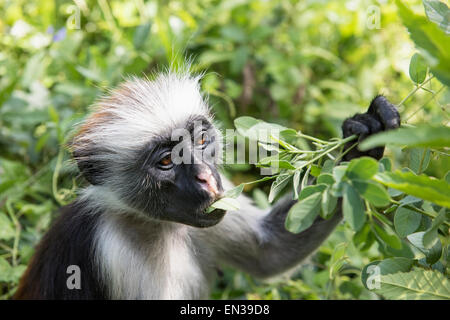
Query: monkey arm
257	242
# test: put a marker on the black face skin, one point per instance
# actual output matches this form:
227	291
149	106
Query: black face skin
173	191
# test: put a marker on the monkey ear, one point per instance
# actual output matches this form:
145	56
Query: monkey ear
87	159
90	169
86	148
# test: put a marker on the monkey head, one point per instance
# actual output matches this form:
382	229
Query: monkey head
152	146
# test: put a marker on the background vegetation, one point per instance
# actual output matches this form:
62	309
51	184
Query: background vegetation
302	64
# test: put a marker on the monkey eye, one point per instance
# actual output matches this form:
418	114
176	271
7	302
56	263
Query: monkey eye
203	139
166	162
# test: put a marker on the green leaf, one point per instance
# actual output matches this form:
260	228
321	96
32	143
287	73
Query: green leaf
431	236
353	208
260	198
372	192
235	192
360	237
289	135
326	178
438	13
387	165
283	164
419	159
420	136
5	270
302	214
387	266
296	183
339	173
422	186
315	170
337	259
417	284
362	168
432	255
278	185
327	167
255	129
309	190
406	221
432	42
447	177
328	204
226	204
409	199
417	69
6	228
394	265
387	237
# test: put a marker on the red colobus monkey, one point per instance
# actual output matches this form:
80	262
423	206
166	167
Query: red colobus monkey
139	230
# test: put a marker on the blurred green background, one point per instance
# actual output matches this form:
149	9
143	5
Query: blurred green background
304	64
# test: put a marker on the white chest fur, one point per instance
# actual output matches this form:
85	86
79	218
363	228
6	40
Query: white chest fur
167	268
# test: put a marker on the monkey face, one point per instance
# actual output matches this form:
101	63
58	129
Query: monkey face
176	175
151	146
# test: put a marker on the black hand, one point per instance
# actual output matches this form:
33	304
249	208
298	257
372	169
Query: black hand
381	116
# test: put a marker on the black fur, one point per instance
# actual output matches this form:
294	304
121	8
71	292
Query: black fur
381	115
68	242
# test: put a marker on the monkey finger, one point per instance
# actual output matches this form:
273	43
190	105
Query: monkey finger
385	112
352	126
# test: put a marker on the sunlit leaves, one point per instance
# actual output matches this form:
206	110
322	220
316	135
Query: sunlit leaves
417	284
371	272
278	185
420	136
431	40
362	168
234	192
424	187
438	12
302	214
226	204
417	69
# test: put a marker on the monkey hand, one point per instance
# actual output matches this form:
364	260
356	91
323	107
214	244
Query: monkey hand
382	115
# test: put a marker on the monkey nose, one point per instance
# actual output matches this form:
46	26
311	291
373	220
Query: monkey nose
208	182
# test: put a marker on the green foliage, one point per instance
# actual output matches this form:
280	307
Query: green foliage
415	285
424	187
430	39
421	136
304	65
417	69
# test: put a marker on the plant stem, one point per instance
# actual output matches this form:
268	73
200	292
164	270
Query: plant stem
434	96
340	143
302	135
407	206
419	86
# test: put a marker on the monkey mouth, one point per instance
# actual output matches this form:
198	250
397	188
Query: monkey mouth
210	219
